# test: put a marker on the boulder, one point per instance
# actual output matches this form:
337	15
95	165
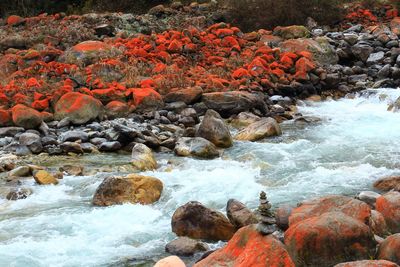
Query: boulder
239	215
389	249
116	109
72	136
32	141
71	147
196	147
389	206
188	95
130	189
329	239
42	177
145	99
263	128
377	223
367	263
323	52
388	183
214	129
233	102
21	171
26	117
282	215
110	146
171	261
368	197
196	221
316	207
87	52
362	51
74	170
292	32
249	248
142	158
244	119
78	107
375	58
184	246
5	118
10	131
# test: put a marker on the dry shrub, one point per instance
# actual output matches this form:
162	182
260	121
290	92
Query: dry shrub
255	14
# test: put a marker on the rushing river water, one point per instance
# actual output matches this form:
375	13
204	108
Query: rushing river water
356	142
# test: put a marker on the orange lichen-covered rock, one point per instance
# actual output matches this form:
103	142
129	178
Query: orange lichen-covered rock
249	248
78	107
107	95
14	20
352	207
329	239
389	249
5	118
389	206
41	105
145	98
90	46
368	263
26	117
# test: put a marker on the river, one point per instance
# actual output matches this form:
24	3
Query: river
356	142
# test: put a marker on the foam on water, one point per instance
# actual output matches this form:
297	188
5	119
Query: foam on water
356	142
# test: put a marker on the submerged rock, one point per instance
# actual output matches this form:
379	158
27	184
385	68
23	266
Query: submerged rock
214	129
263	128
130	189
197	221
329	239
249	248
18	193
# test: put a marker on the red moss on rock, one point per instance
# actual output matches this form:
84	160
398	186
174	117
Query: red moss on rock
389	249
14	20
389	206
249	248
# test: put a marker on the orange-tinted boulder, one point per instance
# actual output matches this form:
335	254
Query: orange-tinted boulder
249	248
377	223
145	99
388	183
389	249
78	107
107	95
368	263
188	95
41	105
90	46
5	118
315	207
26	117
196	221
329	239
117	109
14	20
389	206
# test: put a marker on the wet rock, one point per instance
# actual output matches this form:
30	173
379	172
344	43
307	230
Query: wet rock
78	107
130	189
388	183
110	146
10	131
244	119
214	129
305	120
72	136
142	158
329	239
199	222
367	263
263	128
196	147
368	197
171	261
232	103
239	215
18	193
184	246
389	206
32	141
282	215
316	207
71	147
74	170
188	95
22	171
42	177
249	248
26	117
389	249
